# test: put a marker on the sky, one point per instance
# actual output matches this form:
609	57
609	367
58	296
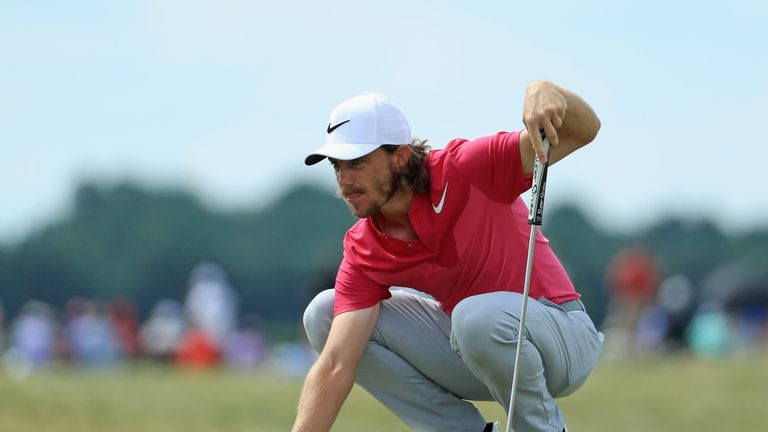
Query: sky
226	97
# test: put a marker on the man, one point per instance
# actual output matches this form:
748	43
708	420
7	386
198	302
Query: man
449	223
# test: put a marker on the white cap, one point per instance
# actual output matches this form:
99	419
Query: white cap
359	126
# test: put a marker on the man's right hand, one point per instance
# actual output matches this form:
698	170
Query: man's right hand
330	379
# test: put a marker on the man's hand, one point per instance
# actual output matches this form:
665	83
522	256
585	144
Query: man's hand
544	109
567	121
331	378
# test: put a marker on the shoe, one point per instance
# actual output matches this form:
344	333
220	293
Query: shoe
494	427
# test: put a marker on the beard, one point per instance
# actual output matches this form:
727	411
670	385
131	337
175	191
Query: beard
380	193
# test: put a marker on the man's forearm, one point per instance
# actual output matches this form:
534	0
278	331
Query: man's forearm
580	123
325	390
567	121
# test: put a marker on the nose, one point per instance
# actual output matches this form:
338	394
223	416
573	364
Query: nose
343	175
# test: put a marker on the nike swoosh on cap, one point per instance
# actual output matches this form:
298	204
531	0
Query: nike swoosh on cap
331	129
439	207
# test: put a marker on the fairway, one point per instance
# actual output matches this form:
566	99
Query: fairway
660	395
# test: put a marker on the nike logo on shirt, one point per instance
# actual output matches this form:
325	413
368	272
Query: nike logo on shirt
331	129
439	207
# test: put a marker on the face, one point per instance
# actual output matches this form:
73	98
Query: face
367	183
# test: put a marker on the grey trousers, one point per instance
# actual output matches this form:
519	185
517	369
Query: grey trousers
426	367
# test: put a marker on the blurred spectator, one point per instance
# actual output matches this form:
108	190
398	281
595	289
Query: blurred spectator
211	304
742	294
292	358
161	333
32	339
246	348
751	325
91	338
708	334
677	299
197	350
632	277
651	331
122	314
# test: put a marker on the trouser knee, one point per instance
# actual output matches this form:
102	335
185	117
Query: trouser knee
477	328
318	317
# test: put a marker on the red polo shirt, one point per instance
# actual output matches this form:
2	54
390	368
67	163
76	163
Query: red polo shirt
473	230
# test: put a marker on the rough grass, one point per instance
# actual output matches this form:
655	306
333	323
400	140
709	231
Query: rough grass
660	395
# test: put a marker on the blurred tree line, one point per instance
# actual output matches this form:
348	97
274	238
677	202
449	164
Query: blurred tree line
127	240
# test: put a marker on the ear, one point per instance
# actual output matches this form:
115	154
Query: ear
402	155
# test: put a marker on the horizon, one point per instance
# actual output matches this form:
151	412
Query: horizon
265	205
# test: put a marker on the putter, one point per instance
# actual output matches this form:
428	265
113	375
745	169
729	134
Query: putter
535	213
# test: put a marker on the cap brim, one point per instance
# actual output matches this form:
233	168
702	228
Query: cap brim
341	151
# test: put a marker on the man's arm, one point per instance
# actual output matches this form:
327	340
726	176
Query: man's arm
330	380
568	123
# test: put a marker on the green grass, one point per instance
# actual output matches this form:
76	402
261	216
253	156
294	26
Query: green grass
661	395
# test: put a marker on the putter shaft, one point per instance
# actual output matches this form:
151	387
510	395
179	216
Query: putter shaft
523	312
535	215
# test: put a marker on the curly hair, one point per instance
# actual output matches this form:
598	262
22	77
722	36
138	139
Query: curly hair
415	171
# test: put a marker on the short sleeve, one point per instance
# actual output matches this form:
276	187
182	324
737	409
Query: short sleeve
492	163
355	290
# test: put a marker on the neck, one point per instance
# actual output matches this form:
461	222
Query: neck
393	218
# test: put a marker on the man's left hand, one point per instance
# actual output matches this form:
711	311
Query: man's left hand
544	109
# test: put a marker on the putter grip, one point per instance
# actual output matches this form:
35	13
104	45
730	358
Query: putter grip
536	209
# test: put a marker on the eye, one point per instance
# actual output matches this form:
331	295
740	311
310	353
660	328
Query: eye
356	162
